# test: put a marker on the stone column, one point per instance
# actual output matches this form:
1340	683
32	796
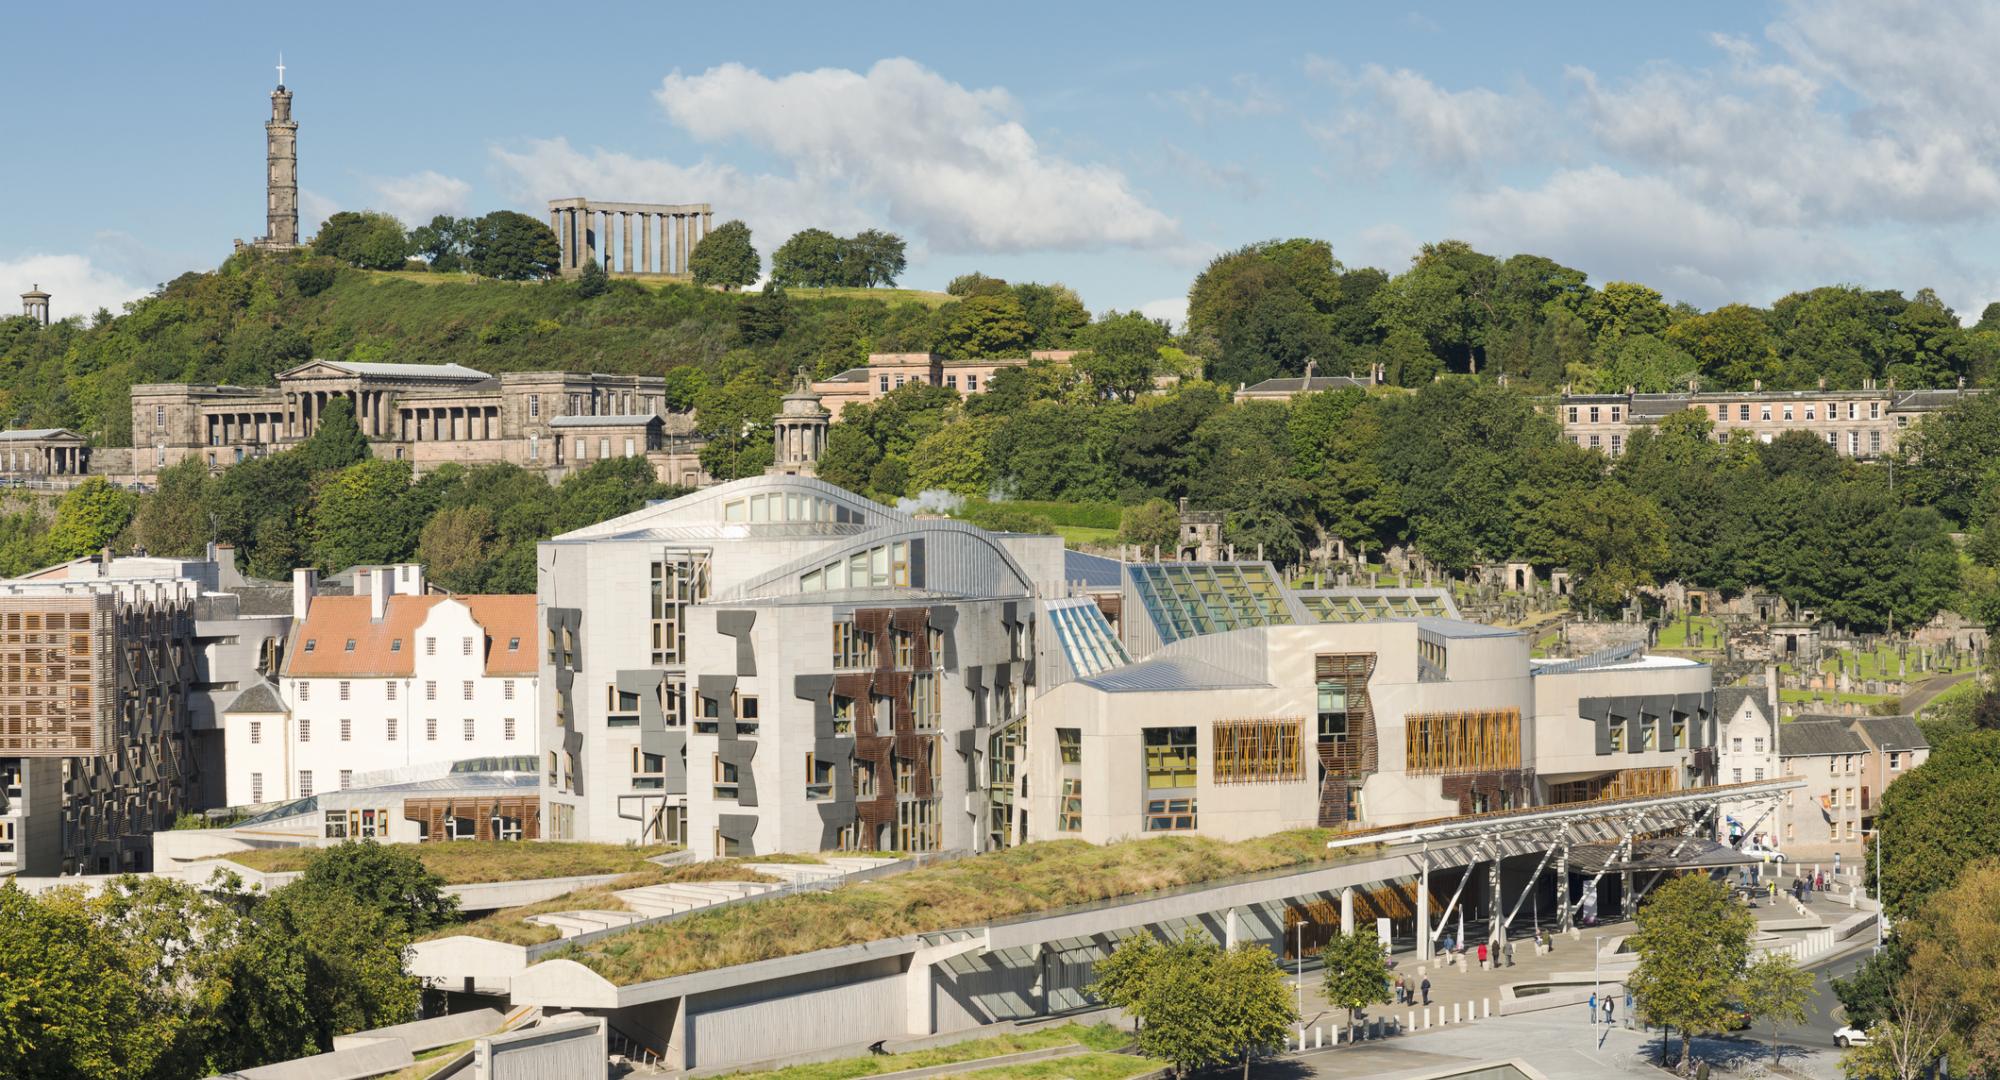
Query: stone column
584	241
665	224
706	216
680	244
625	228
645	257
555	226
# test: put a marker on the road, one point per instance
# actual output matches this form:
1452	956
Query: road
1929	690
1817	1031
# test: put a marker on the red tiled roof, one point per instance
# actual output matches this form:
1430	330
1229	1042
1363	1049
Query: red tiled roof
389	647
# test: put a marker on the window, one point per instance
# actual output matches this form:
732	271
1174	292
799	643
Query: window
1758	742
310	643
1593	414
346	729
1736	776
1257	751
389	689
746	714
1070	741
305	783
395	645
1646	732
1572	414
506	729
1895	756
1069	815
343	689
884	384
389	728
866	783
468	729
552	768
1170	758
507	688
926	702
971	383
951	381
346	778
725	779
305	729
430	646
1788	414
852	647
256	732
1617	734
1874	442
1680	728
1742	412
350	645
1874	410
1170	815
918	825
1736	745
256	787
934	642
465	646
603	448
467	691
159	416
628	446
582	451
430	729
534	448
1809	412
843	715
906	649
534	405
1332	711
1758	774
819	778
430	690
1617	413
1596	441
1617	443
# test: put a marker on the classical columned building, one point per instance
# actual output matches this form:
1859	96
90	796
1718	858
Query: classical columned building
43	452
663	234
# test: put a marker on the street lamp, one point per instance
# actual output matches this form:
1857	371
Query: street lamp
1881	768
1299	964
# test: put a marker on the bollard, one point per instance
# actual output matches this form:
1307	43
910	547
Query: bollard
1375	1028
1485	1008
1454	1012
1410	1024
1319	1036
1302	1038
1427	1018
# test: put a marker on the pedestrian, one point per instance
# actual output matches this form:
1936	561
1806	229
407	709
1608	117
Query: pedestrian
1427	989
1510	952
1593	1006
1609	1006
1482	956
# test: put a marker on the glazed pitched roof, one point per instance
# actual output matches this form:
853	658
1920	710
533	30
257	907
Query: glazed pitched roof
389	647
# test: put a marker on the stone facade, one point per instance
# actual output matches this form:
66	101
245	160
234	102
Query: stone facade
887	371
605	231
35	305
427	414
1864	423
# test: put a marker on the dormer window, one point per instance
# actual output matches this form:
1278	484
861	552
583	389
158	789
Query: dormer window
350	645
396	645
513	644
310	642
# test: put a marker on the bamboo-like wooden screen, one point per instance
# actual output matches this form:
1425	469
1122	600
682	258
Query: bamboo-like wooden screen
1257	751
1477	740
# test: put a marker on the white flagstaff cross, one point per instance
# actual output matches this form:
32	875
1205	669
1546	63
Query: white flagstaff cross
281	69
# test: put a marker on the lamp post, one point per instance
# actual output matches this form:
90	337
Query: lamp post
1299	964
1881	769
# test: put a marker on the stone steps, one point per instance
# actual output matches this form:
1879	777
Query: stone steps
674	898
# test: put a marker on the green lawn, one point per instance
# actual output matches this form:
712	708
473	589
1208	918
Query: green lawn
1100	1037
1970	688
1675	634
469	862
965	892
1094	1066
1881	664
1830	696
887	296
1083	535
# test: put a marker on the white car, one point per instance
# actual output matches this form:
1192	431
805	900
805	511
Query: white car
1846	1036
1757	850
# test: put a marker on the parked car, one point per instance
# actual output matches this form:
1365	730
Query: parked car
1846	1036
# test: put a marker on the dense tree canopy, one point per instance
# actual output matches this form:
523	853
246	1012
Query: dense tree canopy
725	257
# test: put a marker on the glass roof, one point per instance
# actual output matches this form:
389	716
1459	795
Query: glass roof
1086	636
1185	600
1343	608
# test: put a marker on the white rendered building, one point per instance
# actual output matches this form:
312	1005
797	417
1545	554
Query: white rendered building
387	678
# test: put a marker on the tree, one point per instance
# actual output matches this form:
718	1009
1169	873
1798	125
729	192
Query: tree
952	458
69	1004
1693	942
444	242
386	878
1940	816
872	258
810	259
1253	1004
1906	1042
175	520
362	516
975	284
592	281
1121	352
992	324
513	247
1955	961
1197	1004
336	441
89	516
1153	524
1867	996
368	240
455	545
725	258
1777	989
1356	972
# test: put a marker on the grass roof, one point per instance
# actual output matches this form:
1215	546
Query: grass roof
468	862
973	891
511	925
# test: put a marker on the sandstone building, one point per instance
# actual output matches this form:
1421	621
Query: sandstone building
427	414
1864	423
887	371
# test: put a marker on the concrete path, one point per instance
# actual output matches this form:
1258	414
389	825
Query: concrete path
1923	695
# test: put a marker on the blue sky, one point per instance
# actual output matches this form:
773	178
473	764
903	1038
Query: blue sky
1719	152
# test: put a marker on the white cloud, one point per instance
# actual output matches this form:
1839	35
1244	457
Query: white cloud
1387	246
949	163
1228	178
314	209
1250	97
417	198
76	286
1641	228
1385	117
1173	309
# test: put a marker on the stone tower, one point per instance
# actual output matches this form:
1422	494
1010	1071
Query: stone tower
801	424
35	305
282	177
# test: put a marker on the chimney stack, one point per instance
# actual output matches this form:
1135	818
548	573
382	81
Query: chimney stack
378	593
304	582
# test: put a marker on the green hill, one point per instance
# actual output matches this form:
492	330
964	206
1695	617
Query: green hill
256	315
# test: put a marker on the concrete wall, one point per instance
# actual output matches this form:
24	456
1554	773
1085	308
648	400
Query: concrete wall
569	1048
857	1003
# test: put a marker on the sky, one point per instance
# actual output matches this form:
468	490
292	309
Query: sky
1719	152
